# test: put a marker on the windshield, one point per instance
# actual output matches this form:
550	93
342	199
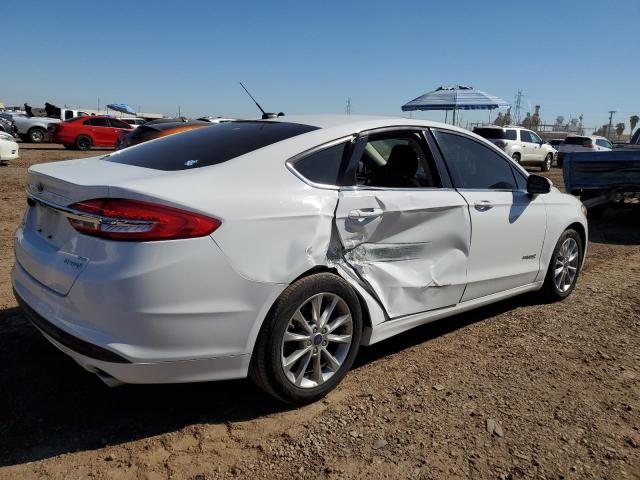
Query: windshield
209	145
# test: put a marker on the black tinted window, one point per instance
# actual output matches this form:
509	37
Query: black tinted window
473	165
322	166
577	140
492	133
208	145
97	122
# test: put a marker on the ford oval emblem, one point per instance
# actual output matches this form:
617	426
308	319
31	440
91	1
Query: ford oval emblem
190	163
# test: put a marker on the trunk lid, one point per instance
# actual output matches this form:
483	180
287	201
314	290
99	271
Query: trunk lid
47	247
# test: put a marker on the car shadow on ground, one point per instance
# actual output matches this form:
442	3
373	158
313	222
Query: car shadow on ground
50	406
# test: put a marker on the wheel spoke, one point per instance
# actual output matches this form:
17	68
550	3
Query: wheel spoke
298	317
558	271
294	357
338	322
295	337
324	318
317	369
331	360
339	338
316	306
303	368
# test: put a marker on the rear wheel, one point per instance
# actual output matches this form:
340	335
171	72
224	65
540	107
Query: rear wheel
309	339
516	157
83	142
564	266
546	165
37	135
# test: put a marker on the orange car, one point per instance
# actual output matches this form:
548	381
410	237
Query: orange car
157	129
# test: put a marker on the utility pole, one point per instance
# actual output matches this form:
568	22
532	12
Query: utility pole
611	112
518	107
348	108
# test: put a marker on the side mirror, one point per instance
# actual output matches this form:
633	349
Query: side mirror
537	184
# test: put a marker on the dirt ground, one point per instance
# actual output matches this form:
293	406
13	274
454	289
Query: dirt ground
558	385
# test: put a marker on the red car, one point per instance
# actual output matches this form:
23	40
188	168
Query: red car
83	133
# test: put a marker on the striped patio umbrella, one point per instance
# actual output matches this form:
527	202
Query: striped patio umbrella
459	97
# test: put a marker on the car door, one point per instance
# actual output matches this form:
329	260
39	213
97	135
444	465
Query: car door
508	226
100	130
527	146
404	229
537	151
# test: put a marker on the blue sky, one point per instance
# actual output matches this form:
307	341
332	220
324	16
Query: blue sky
571	57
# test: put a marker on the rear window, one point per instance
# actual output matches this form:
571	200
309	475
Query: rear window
207	146
577	140
493	133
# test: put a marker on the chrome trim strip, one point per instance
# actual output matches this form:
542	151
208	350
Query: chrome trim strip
74	214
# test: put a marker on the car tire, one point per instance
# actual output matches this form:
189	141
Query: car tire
37	135
83	143
546	164
516	158
309	339
564	266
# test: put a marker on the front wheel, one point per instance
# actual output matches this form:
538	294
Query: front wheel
564	266
546	165
309	340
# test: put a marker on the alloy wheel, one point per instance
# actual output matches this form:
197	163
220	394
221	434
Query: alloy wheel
566	265
317	340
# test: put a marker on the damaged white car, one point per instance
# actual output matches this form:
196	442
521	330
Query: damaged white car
275	248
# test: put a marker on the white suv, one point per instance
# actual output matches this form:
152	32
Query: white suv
582	143
523	145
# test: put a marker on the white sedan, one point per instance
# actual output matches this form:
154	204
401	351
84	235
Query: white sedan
9	149
275	248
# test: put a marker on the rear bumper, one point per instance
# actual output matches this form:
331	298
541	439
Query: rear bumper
99	360
166	312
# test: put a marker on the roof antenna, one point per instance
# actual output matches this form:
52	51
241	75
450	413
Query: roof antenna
265	115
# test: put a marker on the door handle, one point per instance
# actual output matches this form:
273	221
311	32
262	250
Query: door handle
365	213
483	205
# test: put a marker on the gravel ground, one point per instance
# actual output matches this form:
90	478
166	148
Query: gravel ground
516	390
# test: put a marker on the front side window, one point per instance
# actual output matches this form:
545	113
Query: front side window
118	123
604	143
535	138
323	166
474	166
396	160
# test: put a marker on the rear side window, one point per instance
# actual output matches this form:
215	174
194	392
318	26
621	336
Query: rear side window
323	166
510	135
473	165
209	145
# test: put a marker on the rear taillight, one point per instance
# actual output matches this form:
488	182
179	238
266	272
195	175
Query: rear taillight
587	145
501	144
122	219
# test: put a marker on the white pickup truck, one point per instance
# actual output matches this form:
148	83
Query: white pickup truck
32	128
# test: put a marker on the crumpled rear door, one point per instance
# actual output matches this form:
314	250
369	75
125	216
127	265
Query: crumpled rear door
410	247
